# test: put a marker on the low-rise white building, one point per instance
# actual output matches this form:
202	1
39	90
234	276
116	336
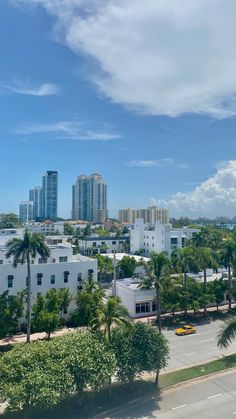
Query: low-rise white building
138	302
99	244
158	238
47	227
61	270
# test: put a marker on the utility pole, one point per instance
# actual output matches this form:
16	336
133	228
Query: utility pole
114	275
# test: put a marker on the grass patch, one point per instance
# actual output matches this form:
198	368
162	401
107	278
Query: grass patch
186	374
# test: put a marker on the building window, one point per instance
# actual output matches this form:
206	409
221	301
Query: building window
1	262
39	279
66	276
114	242
103	243
90	272
79	277
53	279
63	258
121	242
10	281
42	260
143	307
174	240
94	244
154	306
53	260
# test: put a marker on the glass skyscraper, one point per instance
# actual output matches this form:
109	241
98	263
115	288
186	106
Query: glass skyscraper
49	195
35	195
89	198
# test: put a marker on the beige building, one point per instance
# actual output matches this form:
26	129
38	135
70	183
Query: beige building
150	215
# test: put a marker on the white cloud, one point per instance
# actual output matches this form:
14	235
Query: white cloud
156	56
73	130
26	88
166	162
215	196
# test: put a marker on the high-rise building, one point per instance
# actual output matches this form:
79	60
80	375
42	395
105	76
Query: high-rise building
35	195
150	215
26	211
49	195
89	198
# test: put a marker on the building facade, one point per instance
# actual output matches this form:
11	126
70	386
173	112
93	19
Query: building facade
158	238
94	245
139	303
35	195
47	227
89	199
26	211
149	215
61	270
49	195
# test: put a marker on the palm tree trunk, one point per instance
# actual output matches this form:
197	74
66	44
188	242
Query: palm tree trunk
158	320
230	285
205	289
185	289
28	313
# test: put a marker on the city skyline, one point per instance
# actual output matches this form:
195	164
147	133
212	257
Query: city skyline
143	116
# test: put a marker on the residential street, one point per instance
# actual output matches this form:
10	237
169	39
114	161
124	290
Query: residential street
193	349
213	398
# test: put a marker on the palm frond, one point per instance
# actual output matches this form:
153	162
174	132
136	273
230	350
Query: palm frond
227	333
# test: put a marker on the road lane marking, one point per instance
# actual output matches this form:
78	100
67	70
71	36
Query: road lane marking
179	407
215	395
191	353
207	340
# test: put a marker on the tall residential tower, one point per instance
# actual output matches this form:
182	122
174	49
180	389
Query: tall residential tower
89	198
35	195
49	195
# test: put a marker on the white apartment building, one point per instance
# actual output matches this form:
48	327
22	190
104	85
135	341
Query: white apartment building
138	302
157	238
149	215
61	270
99	244
47	227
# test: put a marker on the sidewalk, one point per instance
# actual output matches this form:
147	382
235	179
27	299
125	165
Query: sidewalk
10	340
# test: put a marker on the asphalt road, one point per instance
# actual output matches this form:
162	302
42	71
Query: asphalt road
213	398
193	349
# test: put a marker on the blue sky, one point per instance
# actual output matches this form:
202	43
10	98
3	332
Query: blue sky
143	95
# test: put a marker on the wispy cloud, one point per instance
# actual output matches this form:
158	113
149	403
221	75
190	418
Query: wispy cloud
26	88
166	162
73	130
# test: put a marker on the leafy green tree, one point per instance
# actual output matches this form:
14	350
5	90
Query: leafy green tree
23	250
87	230
171	294
228	257
109	313
10	221
11	310
40	375
138	349
69	229
105	267
157	272
89	300
227	333
65	298
46	312
126	267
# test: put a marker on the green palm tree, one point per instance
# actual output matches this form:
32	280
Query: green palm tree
206	260
228	258
111	312
227	333
23	250
156	270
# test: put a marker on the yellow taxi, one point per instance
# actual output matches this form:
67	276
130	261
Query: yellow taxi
185	330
